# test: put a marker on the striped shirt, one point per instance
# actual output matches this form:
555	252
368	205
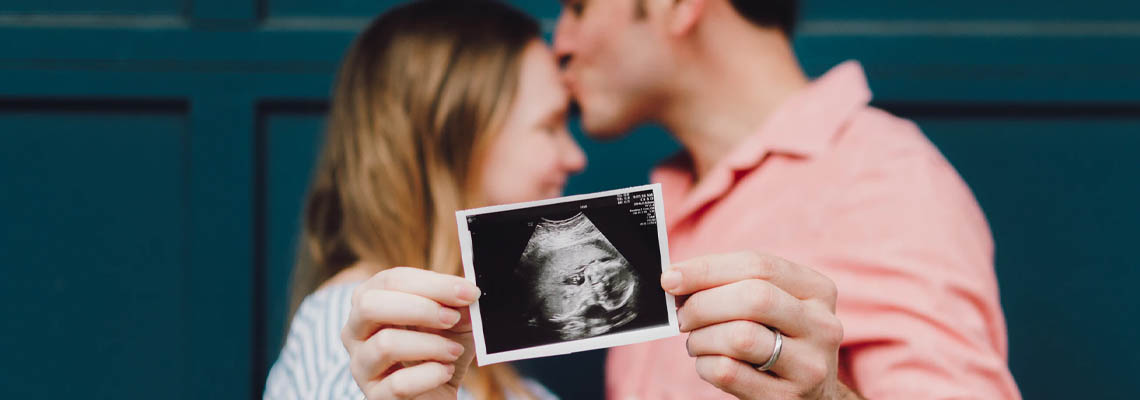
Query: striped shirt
314	364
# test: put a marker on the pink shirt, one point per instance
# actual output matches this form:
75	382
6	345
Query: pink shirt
863	197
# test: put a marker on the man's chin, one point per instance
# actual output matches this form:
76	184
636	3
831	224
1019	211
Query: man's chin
604	130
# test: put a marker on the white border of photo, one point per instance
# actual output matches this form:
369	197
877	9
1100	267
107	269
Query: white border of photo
567	347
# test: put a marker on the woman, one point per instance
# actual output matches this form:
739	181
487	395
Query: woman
439	106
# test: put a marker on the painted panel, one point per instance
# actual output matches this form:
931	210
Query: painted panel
219	279
98	205
1059	189
93	247
290	145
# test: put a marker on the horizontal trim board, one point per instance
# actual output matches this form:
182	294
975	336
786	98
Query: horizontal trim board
968	28
1008	84
270	106
93	21
94	105
336	24
808	27
71	46
1002	110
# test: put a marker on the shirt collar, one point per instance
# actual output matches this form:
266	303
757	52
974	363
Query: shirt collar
803	126
807	122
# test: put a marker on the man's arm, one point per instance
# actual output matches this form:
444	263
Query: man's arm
912	255
908	254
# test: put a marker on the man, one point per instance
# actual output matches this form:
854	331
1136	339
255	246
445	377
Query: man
900	299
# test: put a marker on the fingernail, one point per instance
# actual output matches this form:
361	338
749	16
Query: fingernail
456	349
670	280
466	292
450	369
448	316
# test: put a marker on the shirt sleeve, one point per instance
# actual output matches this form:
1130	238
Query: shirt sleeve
313	364
912	256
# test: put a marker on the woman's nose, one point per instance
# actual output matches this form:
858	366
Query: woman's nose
573	158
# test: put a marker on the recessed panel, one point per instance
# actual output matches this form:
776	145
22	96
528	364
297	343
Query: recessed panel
292	143
93	246
1063	202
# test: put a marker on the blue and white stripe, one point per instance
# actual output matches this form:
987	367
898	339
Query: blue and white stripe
314	364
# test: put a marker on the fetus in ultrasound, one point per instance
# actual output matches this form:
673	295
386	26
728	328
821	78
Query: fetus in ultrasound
582	285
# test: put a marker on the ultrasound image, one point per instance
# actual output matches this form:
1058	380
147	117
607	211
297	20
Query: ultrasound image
584	286
568	271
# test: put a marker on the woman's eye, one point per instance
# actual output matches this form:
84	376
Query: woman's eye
576	279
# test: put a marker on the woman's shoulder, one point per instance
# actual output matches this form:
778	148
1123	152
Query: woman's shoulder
325	309
321	316
313	359
329	299
354	274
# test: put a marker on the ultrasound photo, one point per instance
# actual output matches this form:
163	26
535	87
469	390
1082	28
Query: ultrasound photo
569	274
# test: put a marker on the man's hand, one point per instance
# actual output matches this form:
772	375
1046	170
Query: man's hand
733	303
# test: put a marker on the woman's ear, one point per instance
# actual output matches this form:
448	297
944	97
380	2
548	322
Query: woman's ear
684	16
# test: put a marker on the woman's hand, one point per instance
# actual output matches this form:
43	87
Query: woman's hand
405	337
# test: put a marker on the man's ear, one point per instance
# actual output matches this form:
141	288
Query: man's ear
684	16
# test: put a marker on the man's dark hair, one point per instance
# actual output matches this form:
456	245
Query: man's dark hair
780	14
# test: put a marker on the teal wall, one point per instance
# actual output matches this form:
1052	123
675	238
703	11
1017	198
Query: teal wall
154	154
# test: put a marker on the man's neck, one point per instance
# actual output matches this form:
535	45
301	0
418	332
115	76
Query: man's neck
728	96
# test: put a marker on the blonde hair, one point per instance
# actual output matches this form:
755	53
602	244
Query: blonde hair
417	98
